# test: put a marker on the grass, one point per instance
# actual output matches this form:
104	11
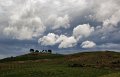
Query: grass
112	75
50	70
95	64
32	56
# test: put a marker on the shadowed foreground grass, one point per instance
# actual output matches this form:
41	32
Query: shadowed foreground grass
50	70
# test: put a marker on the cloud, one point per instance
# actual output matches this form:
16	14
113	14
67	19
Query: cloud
56	22
61	23
105	9
88	44
63	41
107	12
110	25
23	23
82	31
25	29
50	39
112	21
67	42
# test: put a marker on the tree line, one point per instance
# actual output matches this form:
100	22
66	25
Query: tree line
42	51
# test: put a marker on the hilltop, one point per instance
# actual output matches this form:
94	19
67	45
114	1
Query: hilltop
32	56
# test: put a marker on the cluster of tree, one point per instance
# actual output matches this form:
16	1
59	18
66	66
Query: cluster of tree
43	51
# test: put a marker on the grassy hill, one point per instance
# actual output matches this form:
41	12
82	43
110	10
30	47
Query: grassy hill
32	56
84	64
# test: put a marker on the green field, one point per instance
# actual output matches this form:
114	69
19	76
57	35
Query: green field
88	64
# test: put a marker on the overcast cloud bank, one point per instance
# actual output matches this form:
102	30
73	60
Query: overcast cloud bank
61	24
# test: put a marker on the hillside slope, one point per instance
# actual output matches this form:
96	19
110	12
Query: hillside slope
31	56
106	59
95	59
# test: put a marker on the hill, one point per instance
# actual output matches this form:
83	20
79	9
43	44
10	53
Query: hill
84	64
32	56
96	59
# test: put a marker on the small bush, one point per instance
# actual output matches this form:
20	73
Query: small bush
75	65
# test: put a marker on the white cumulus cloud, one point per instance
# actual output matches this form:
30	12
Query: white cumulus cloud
88	44
62	40
50	39
82	31
66	42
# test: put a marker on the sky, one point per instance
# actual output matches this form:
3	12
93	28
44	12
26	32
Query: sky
65	26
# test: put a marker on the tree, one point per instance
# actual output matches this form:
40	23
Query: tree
37	51
46	51
31	50
49	51
43	51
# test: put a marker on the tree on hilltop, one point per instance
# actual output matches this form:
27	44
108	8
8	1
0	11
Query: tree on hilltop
37	51
31	50
49	51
